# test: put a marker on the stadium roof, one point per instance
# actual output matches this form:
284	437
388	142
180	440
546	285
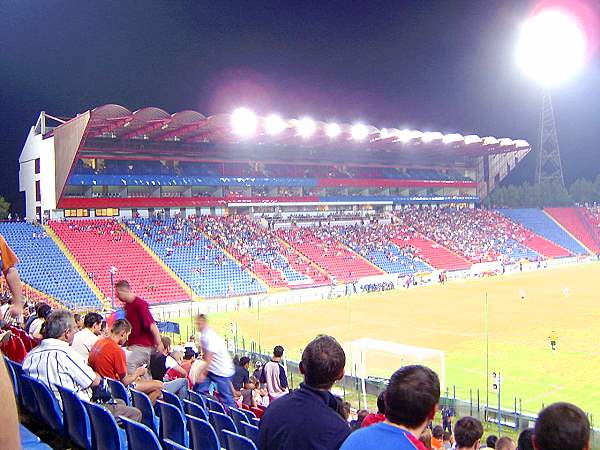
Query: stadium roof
116	126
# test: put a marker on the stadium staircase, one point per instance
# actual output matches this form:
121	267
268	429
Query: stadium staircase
577	223
435	254
338	260
44	267
198	261
552	241
99	245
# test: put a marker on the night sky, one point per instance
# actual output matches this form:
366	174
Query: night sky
443	65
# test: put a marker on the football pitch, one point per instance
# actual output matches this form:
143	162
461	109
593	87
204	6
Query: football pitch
523	310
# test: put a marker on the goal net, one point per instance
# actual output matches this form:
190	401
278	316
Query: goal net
373	358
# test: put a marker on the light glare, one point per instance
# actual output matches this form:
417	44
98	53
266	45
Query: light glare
306	127
551	47
274	124
333	130
244	122
359	132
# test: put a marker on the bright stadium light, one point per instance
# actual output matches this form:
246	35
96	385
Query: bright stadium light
451	138
472	139
505	142
406	135
333	130
244	122
431	136
306	127
359	132
552	46
274	124
521	143
490	140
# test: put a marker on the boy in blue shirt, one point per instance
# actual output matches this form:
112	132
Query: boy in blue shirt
411	401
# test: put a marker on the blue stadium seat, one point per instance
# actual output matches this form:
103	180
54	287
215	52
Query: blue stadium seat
238	417
28	395
142	402
249	415
13	377
118	390
172	424
168	444
63	282
203	435
139	436
198	399
250	431
214	405
27	437
76	420
106	435
48	407
194	410
172	399
238	442
222	422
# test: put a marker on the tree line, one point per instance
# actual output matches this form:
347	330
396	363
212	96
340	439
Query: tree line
547	194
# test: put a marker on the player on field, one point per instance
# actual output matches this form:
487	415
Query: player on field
553	338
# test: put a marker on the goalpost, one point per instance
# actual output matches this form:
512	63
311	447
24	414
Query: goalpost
368	357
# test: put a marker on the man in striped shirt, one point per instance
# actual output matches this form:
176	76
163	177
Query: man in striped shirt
54	362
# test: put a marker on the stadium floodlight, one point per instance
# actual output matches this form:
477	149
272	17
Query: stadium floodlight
274	124
406	135
505	142
430	136
472	139
451	138
521	143
333	130
490	140
359	132
552	46
244	122
306	127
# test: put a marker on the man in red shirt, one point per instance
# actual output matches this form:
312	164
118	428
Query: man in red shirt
372	419
107	358
144	337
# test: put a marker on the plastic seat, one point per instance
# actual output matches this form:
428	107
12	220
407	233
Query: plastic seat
172	399
238	417
199	399
203	435
142	402
27	437
48	407
118	390
106	435
172	423
214	405
222	422
250	431
194	410
249	414
139	436
13	377
237	442
170	445
76	420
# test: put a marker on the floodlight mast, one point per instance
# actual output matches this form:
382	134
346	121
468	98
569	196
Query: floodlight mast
549	164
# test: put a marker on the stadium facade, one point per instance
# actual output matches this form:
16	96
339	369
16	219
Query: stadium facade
111	162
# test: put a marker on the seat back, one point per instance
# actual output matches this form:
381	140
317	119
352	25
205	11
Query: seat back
250	431
76	420
237	442
172	399
222	422
172	423
203	435
105	431
118	390
139	436
199	399
214	405
238	417
48	406
142	402
170	445
249	415
194	410
13	377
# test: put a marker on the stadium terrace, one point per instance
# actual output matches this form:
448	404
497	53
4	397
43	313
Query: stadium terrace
109	161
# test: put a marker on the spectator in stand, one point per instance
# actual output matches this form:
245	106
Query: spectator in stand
32	317
189	356
241	377
425	438
175	372
54	362
191	344
372	419
491	440
107	358
525	441
274	377
78	321
360	418
11	274
219	367
258	366
468	433
306	419
437	435
411	400
447	438
43	310
247	392
505	443
161	362
562	426
86	338
144	337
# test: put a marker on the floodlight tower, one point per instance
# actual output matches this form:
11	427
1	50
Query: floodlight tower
552	48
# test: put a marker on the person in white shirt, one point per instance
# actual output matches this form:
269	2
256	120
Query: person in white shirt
55	363
35	329
85	339
219	366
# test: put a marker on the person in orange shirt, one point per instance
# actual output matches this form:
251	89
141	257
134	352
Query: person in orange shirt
437	439
107	358
9	261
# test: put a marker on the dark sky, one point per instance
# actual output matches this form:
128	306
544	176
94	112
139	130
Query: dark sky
444	65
